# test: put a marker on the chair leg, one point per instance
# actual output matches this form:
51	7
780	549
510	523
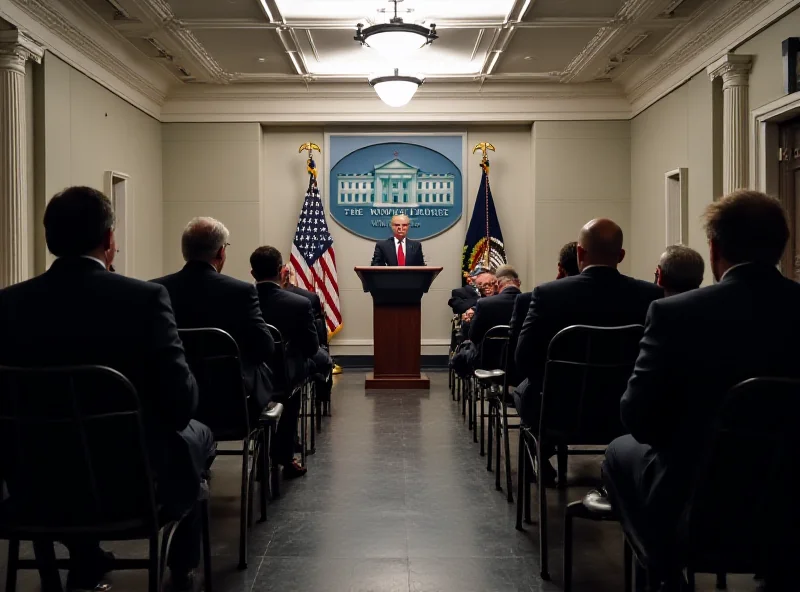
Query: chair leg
207	571
497	436
157	563
640	579
482	403
266	442
251	475
489	436
312	414
475	395
243	509
303	418
12	565
563	459
46	564
722	581
507	452
543	549
567	551
690	583
627	561
520	478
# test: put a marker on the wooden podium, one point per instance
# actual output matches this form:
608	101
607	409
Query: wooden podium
396	296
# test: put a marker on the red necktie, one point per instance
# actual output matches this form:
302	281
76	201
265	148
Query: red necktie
401	257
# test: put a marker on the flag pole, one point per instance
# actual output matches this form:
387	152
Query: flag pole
483	147
311	167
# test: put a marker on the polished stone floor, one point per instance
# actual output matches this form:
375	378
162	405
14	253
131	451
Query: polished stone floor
398	499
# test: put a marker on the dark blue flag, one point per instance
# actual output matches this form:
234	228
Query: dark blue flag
483	246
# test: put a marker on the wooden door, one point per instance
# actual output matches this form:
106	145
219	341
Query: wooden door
789	192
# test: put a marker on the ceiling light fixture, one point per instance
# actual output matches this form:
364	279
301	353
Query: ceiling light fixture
396	90
395	39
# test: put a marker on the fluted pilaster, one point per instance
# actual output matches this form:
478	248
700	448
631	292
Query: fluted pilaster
15	49
734	70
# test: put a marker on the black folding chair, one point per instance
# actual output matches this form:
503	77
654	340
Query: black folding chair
77	467
586	373
490	375
739	517
213	356
455	339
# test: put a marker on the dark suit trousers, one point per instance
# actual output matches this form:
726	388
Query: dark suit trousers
187	460
286	434
630	470
323	364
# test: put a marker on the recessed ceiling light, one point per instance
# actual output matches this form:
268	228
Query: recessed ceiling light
265	59
528	58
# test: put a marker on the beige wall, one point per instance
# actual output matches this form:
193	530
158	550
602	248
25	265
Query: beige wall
766	77
283	190
581	170
213	169
86	131
675	132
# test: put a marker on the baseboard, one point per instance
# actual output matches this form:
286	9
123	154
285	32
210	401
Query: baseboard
355	362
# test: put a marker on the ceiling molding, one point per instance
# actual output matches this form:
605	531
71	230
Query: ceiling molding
586	64
699	45
50	24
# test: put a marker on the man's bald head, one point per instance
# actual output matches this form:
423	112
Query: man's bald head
600	243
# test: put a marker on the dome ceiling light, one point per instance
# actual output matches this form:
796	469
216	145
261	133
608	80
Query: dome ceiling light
395	39
396	90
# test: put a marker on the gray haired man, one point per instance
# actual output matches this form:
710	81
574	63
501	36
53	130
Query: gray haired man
679	270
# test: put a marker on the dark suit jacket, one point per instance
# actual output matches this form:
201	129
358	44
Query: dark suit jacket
492	311
696	346
202	297
599	296
79	313
386	253
521	306
292	315
316	307
462	299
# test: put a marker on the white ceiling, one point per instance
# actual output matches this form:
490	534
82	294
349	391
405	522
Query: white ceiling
231	41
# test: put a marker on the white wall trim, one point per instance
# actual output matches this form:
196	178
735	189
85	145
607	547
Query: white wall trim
764	141
83	46
694	53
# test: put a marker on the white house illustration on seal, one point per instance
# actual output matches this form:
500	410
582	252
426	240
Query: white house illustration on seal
398	184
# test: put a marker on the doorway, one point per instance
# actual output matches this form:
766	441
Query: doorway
789	190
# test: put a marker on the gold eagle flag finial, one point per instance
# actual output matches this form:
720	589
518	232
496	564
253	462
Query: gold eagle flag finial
311	166
484	147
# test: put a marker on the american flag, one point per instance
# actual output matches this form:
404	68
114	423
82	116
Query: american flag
313	259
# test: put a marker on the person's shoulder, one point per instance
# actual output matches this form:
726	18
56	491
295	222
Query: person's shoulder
649	288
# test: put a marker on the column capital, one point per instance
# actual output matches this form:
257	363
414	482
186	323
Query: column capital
16	48
733	68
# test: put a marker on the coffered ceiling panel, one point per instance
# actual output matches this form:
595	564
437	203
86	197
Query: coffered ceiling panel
217	9
240	50
543	50
409	10
572	9
327	52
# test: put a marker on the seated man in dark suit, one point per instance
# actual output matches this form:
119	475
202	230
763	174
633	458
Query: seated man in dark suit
398	250
696	346
292	315
465	297
79	313
486	283
567	266
600	295
679	270
202	296
495	310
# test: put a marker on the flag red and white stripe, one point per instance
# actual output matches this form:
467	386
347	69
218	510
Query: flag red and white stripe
314	260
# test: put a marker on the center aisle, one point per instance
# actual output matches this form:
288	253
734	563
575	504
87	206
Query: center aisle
396	499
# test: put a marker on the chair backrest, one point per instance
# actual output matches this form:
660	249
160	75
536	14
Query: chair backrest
213	356
586	374
73	452
280	361
739	517
494	348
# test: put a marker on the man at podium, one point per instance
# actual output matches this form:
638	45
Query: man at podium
398	251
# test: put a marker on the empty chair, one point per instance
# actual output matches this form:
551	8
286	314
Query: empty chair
213	356
586	372
490	374
77	467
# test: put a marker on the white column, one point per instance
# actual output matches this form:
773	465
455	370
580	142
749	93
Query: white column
734	70
15	49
